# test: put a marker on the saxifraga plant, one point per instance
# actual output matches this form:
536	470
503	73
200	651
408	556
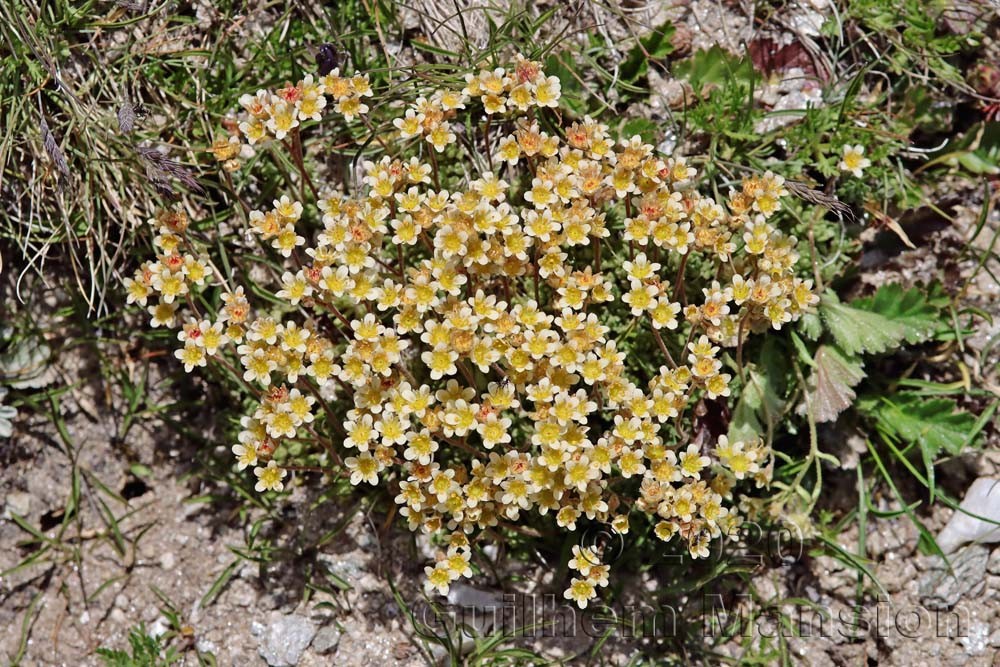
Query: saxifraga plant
512	320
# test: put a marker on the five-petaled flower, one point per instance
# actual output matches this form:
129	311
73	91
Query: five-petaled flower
854	160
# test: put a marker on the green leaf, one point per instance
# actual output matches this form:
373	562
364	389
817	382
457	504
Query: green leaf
978	150
140	470
644	127
933	424
859	331
761	401
811	326
145	651
569	81
658	43
655	46
711	66
831	384
917	309
885	320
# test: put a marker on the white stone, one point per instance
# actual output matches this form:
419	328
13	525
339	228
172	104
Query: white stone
983	500
18	503
168	560
285	638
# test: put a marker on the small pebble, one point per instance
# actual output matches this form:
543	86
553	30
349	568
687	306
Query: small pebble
168	560
326	640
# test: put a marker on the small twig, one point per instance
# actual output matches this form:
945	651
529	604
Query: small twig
296	150
663	348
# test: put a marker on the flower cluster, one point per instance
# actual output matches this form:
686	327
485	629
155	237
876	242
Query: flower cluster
461	334
593	573
277	114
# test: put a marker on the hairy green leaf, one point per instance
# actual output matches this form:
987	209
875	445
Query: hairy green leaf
918	310
859	331
811	326
933	424
885	320
831	384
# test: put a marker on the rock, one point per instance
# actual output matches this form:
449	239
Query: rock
18	503
159	627
977	639
168	560
348	568
993	564
491	551
942	589
327	639
668	93
831	574
241	594
893	535
979	520
426	549
206	646
368	583
285	638
476	608
365	539
895	574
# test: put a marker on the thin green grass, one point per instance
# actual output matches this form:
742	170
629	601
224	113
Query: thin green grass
76	187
